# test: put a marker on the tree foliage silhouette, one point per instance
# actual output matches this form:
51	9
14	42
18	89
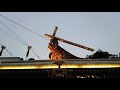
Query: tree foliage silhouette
99	54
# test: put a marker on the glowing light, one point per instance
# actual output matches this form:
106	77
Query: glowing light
91	66
62	66
28	67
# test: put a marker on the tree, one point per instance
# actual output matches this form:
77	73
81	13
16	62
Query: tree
30	59
99	54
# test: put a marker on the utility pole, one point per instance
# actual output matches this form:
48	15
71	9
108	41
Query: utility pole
29	47
119	56
3	47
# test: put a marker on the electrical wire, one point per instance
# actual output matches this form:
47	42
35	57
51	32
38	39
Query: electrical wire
22	26
22	41
9	52
10	35
13	32
35	54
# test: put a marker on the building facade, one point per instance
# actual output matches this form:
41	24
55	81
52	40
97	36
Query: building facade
77	68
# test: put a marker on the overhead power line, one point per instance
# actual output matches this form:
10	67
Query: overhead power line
10	35
13	33
35	54
22	26
13	37
9	52
22	41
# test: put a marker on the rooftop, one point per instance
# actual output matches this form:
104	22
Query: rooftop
66	63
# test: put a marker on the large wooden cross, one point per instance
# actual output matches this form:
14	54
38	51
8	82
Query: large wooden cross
66	41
